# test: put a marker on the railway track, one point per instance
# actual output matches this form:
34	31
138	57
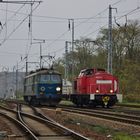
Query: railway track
114	116
25	133
62	128
41	128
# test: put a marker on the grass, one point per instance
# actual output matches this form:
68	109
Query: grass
115	134
124	136
100	129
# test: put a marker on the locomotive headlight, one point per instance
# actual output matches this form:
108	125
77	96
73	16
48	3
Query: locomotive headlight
97	91
111	91
58	89
42	89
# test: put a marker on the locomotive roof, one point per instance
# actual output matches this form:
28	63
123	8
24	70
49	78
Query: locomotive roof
94	69
43	71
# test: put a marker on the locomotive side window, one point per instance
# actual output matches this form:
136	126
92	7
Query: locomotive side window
86	72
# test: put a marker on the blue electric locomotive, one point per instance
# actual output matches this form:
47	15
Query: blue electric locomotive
43	86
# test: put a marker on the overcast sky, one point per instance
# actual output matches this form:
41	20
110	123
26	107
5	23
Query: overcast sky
50	23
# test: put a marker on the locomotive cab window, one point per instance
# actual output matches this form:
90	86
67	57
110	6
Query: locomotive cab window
45	78
82	73
55	78
89	72
52	78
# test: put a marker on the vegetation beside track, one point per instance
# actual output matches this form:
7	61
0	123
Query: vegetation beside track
125	136
105	131
128	104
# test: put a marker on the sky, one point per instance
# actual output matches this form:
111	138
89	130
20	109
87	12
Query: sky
50	29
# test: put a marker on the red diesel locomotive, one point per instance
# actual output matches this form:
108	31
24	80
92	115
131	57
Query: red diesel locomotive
95	87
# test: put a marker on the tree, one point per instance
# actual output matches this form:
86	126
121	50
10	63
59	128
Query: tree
126	55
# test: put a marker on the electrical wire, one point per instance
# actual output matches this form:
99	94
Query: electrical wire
57	19
64	18
16	28
93	17
85	21
58	38
129	13
103	25
15	12
25	39
58	50
14	53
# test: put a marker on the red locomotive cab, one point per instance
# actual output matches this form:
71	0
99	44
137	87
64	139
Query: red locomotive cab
95	87
108	86
105	84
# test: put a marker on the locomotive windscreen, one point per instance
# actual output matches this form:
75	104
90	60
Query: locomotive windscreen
52	78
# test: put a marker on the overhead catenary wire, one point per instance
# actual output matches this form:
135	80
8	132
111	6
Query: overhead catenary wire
64	18
84	22
64	33
87	19
58	50
15	12
97	14
15	53
51	17
16	28
46	39
59	37
20	2
129	13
